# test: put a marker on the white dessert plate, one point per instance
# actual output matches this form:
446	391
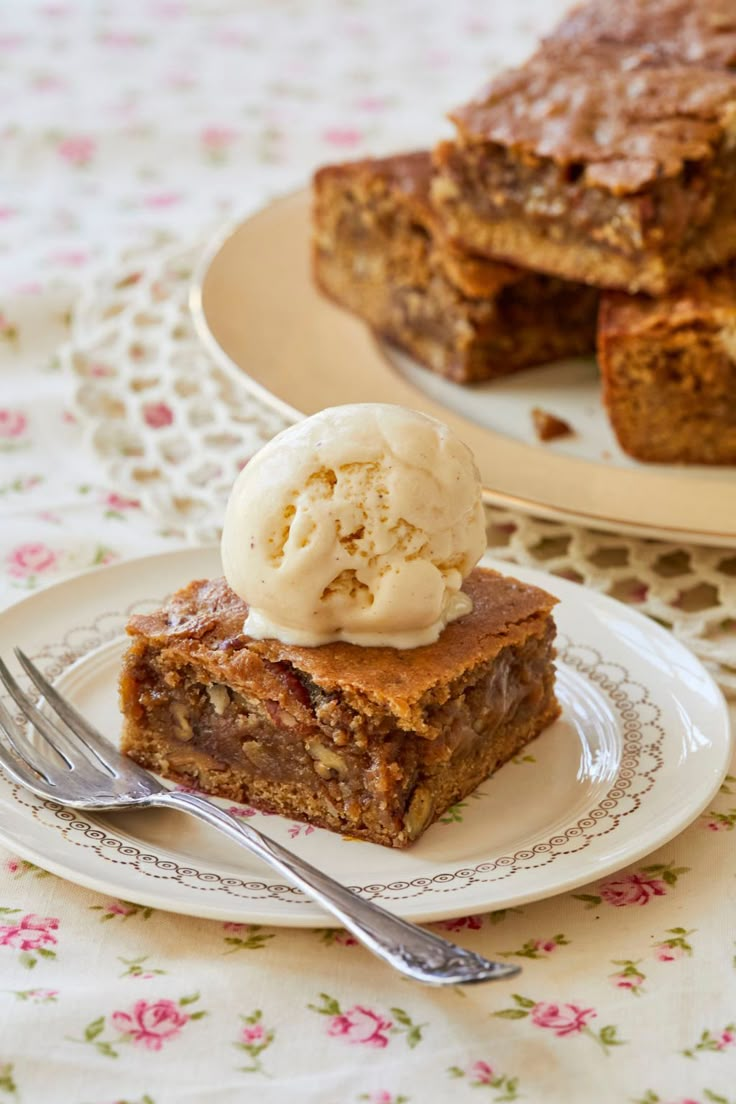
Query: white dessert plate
259	314
641	747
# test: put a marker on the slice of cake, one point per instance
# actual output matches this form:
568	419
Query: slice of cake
353	668
597	162
668	368
371	742
380	251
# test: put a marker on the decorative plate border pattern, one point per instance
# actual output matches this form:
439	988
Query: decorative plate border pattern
641	758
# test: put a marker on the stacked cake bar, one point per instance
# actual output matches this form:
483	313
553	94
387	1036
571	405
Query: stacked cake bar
669	370
381	250
607	162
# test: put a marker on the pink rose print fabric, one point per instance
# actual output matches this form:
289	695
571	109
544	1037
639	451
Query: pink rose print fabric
361	1026
253	1034
565	1019
76	149
639	888
458	923
337	937
30	559
538	948
727	1038
30	933
714	1042
37	996
217	139
633	982
120	503
151	1024
480	1074
630	976
364	1026
632	889
254	1040
12	424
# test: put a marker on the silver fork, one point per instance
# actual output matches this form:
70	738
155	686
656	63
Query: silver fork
84	771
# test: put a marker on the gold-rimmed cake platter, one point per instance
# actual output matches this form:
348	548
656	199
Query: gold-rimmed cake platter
259	315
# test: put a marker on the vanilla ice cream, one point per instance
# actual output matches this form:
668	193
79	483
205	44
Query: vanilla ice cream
357	524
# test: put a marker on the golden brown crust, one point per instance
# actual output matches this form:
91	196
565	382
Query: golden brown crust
206	617
694	31
627	127
410	172
407	173
705	299
610	155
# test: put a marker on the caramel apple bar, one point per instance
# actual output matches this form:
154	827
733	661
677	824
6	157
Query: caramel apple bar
380	251
371	742
597	162
668	368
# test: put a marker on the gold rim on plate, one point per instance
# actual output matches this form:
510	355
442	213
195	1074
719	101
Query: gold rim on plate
259	315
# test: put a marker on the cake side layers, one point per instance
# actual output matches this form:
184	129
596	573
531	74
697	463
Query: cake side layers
330	741
668	368
380	251
615	167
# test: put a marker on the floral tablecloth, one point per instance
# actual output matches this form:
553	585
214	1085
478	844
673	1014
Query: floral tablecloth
121	121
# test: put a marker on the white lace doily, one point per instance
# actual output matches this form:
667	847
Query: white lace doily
172	429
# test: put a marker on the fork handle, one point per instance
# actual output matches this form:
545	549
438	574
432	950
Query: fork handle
413	951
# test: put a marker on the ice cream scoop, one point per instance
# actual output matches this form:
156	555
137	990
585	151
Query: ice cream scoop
357	524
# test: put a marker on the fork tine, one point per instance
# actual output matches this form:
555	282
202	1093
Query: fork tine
24	776
104	752
21	765
56	739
